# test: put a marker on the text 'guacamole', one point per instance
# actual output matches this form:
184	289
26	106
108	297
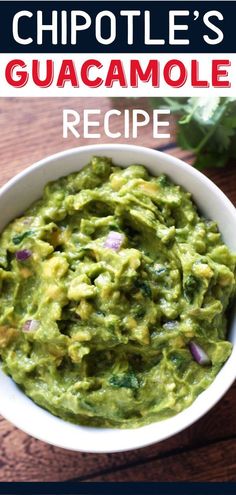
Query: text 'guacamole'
113	298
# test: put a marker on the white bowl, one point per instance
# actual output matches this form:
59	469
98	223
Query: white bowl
15	197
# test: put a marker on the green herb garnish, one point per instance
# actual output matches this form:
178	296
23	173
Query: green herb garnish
17	239
129	380
206	126
191	286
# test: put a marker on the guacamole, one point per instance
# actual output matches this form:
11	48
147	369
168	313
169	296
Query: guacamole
114	291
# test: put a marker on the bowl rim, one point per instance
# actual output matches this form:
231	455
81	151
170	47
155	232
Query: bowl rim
149	434
120	146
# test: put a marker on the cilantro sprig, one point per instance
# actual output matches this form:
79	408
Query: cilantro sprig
206	126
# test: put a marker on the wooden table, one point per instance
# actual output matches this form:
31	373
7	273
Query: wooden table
31	129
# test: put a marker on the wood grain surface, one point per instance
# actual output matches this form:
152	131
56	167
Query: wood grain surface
31	129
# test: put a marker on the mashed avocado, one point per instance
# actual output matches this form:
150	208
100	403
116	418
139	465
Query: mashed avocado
107	284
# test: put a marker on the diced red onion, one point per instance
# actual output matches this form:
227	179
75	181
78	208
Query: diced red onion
114	240
23	255
31	326
199	354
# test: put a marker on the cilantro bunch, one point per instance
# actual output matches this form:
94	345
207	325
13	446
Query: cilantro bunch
206	126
